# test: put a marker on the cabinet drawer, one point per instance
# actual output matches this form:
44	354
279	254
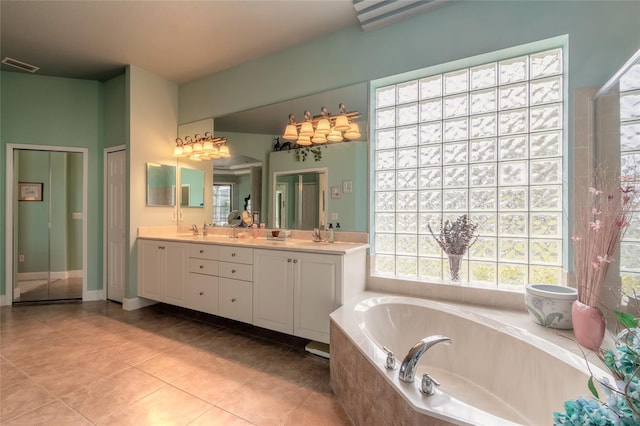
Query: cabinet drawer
203	266
201	293
236	300
236	254
203	251
236	271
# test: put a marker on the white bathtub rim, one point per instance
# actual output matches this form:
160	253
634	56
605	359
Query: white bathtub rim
352	327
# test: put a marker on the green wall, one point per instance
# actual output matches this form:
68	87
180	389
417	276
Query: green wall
602	36
52	111
452	32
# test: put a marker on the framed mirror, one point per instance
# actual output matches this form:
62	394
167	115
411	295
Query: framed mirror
191	187
161	185
300	199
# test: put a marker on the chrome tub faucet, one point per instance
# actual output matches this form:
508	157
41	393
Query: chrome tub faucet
410	362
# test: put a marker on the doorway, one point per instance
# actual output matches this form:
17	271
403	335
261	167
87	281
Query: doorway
46	230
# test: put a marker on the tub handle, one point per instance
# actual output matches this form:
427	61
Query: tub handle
426	386
390	363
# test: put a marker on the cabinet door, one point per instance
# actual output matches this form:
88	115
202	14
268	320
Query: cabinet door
235	299
315	293
175	267
151	260
273	290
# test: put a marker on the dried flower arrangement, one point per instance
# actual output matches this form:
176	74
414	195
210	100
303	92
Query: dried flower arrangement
602	218
456	237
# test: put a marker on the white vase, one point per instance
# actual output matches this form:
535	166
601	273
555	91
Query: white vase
550	305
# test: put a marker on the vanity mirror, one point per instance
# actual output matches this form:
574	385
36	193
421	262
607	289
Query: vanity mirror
253	132
191	187
161	185
617	145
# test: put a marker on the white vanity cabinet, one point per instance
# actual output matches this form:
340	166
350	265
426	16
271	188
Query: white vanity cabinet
201	288
161	270
235	271
294	292
291	290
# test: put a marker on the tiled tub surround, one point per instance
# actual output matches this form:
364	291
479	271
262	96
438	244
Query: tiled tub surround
501	368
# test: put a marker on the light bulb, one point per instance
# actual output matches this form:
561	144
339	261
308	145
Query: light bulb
353	133
319	138
323	126
334	136
306	129
342	123
304	140
291	133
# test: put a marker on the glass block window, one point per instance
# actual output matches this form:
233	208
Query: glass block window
222	194
485	141
629	159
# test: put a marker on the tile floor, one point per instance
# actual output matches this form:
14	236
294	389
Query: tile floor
94	363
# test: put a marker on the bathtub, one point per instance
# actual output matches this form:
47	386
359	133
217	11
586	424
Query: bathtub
493	373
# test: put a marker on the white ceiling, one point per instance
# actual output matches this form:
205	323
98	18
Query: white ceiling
179	40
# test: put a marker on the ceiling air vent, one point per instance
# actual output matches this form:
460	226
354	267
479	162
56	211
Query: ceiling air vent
20	65
374	14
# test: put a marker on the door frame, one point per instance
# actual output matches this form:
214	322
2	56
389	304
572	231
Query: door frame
9	229
105	225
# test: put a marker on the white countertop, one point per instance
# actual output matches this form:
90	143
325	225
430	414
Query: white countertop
246	240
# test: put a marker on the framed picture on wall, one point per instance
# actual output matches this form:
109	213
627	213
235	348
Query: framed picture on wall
30	191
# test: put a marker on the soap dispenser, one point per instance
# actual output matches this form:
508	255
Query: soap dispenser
204	230
330	233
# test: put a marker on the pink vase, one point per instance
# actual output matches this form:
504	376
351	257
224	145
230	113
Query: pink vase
588	325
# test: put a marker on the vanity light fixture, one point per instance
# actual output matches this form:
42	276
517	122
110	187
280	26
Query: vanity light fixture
201	148
324	127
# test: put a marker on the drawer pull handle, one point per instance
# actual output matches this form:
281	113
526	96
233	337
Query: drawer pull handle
288	260
233	299
233	271
201	251
161	247
295	260
201	293
233	255
201	266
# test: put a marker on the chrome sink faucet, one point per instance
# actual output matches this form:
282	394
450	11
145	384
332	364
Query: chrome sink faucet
316	237
194	229
410	362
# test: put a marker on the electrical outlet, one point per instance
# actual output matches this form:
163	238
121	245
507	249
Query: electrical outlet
334	216
21	258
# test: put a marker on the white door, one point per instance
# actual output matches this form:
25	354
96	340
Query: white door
116	225
309	206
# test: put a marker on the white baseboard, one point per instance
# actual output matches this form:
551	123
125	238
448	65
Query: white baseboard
92	295
43	275
5	300
136	303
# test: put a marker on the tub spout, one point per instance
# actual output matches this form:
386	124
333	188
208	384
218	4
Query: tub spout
410	362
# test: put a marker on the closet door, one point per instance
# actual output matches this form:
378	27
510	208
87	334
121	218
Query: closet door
48	221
